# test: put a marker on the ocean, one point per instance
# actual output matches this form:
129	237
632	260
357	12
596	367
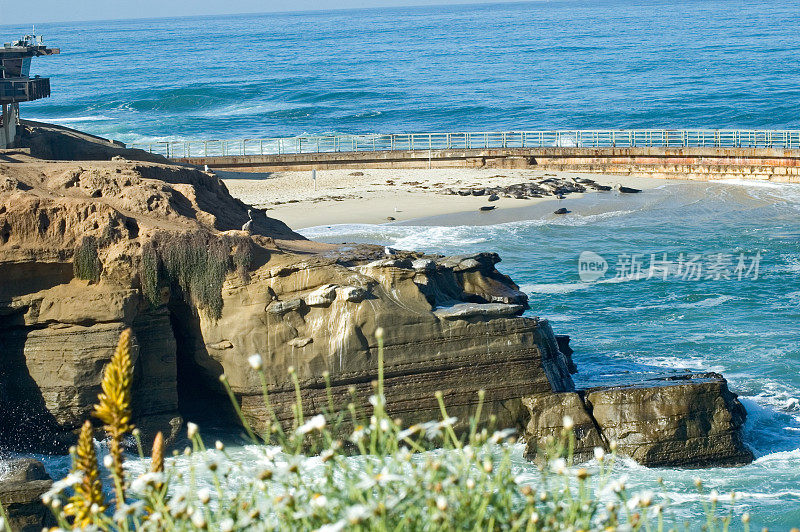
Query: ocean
602	64
539	65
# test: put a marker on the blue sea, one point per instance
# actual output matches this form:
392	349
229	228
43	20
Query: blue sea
602	64
539	65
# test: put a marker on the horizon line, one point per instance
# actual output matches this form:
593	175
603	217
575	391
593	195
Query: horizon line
284	12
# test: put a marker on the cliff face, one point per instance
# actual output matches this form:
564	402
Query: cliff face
88	249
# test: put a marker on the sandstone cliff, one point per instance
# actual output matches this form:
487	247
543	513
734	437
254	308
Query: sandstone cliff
87	249
22	483
90	248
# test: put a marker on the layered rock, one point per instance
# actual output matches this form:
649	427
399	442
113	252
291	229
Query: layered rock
452	323
321	315
690	420
22	483
88	249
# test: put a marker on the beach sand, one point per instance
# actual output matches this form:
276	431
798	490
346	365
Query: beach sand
375	196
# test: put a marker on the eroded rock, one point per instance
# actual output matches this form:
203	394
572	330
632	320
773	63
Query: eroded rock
21	488
691	420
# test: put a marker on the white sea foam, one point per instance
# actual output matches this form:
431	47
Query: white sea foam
789	192
5	469
74	119
412	236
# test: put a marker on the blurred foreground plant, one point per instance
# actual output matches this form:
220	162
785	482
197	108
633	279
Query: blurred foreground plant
378	475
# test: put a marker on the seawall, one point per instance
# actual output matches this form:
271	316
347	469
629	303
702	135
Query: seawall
775	164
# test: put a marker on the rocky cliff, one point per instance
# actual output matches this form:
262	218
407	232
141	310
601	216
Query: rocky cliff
22	483
687	420
90	248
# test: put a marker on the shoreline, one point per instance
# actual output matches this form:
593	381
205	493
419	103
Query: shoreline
413	196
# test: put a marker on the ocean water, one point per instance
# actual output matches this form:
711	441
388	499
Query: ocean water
534	65
570	64
624	324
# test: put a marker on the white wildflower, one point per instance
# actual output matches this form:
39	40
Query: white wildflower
449	421
599	454
618	486
534	517
191	430
219	445
441	503
338	526
226	525
713	496
108	462
256	362
374	399
559	466
385	425
198	519
407	433
147	479
358	434
502	435
60	485
633	502
204	495
568	422
356	514
315	423
326	455
319	501
432	430
646	499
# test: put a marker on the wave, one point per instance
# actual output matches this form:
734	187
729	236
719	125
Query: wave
73	119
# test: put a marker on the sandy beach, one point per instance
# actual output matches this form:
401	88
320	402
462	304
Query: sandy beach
377	196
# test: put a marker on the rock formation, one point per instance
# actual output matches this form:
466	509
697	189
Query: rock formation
22	483
687	420
87	249
90	248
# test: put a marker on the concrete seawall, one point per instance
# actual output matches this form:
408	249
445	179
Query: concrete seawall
686	163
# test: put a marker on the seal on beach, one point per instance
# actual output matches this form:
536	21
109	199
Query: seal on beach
487	208
562	210
626	190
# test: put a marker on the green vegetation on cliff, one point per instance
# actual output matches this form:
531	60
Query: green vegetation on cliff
86	262
197	263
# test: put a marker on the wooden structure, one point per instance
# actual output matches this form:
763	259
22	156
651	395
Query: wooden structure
16	83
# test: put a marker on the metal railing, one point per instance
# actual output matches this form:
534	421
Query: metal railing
660	138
